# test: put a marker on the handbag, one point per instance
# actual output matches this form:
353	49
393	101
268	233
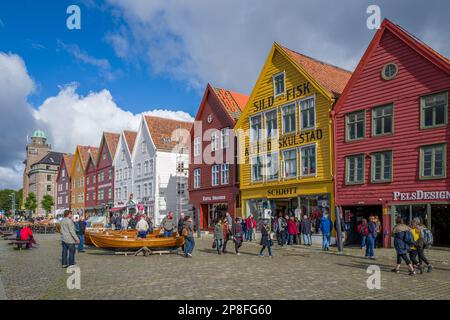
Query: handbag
214	244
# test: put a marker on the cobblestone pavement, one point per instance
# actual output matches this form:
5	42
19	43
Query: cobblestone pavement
294	273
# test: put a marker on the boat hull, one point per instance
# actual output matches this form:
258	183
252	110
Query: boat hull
154	242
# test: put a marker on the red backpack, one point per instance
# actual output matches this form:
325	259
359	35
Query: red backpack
363	230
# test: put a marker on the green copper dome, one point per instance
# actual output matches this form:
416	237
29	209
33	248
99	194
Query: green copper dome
39	134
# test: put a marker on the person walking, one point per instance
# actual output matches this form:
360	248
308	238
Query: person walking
168	224
282	225
342	228
80	228
218	235
249	223
227	234
292	230
124	222
326	227
188	233
297	237
363	231
180	226
68	239
402	242
306	230
229	219
142	227
244	229
237	235
266	241
418	249
371	236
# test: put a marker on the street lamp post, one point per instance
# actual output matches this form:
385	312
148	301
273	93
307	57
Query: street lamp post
13	203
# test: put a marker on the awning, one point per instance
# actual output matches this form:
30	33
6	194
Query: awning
117	209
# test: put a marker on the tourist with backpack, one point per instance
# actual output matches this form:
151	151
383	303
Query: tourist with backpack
325	227
403	239
305	226
218	236
422	240
237	235
363	231
227	234
371	236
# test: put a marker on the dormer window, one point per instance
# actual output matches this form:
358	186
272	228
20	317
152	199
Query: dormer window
278	84
167	140
104	155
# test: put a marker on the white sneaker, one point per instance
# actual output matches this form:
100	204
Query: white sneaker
238	254
189	255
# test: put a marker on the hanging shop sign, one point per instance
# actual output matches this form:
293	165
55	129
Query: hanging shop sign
421	195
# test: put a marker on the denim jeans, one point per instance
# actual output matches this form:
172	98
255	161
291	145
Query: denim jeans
291	239
81	244
307	239
363	241
68	248
285	236
189	245
250	234
269	248
219	245
370	246
167	234
326	240
142	234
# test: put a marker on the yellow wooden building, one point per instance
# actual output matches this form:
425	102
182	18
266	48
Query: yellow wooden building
286	136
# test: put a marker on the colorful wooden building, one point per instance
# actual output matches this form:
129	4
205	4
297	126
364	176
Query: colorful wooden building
213	173
77	173
392	133
105	172
90	193
63	184
286	136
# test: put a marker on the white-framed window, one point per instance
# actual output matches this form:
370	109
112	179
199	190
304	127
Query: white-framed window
288	116
255	128
67	199
88	180
214	140
290	163
215	175
308	160
144	146
150	166
125	192
63	173
87	195
67	185
225	173
307	113
138	169
271	123
123	154
145	190
150	189
279	84
101	194
117	175
104	155
145	168
197	178
197	146
257	168
109	193
138	191
354	173
272	166
225	141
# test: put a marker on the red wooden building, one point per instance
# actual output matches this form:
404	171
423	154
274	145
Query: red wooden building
63	183
213	176
105	171
90	193
391	136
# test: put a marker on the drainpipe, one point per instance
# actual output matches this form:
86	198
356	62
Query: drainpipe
340	245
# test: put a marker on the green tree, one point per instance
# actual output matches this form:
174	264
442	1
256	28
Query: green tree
19	199
47	203
5	199
31	202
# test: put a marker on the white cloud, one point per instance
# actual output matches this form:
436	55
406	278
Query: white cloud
67	118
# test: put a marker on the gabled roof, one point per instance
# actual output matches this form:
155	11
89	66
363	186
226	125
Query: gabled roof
233	102
332	78
83	153
111	140
67	159
161	131
51	158
414	43
130	138
93	157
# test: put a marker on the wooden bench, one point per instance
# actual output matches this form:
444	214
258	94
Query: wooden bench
19	243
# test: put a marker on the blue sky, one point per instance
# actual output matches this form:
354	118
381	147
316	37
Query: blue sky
156	57
37	32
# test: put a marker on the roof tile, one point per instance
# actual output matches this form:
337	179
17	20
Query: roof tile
163	131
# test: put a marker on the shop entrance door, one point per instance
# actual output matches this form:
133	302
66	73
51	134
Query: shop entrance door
440	224
353	217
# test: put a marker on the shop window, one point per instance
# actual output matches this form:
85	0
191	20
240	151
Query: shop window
272	166
355	125
215	175
308	160
271	118
354	169
382	166
197	143
278	84
432	161
255	128
225	173
197	178
434	110
308	113
257	169
225	141
382	120
288	112
290	163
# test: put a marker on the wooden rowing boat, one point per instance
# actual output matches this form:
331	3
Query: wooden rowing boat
113	233
152	242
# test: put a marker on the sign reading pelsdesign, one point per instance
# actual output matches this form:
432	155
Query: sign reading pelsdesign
421	195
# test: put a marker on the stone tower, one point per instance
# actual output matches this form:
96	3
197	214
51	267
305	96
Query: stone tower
36	149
